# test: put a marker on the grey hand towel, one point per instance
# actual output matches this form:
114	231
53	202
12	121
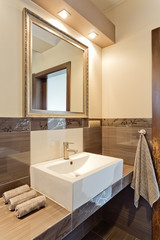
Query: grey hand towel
30	205
13	202
144	180
14	192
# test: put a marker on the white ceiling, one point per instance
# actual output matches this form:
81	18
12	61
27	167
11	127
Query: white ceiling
106	5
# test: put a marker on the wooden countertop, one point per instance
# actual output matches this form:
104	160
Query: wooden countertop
34	224
127	169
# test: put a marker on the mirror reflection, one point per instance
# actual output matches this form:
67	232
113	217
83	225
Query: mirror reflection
57	73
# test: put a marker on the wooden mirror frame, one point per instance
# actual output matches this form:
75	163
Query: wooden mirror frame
29	18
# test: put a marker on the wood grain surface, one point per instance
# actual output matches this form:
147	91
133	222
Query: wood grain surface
92	140
34	224
156	123
119	141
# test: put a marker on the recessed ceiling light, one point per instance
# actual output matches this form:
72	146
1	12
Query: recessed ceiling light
92	35
64	14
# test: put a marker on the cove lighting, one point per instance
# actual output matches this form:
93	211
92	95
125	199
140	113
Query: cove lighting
64	14
92	35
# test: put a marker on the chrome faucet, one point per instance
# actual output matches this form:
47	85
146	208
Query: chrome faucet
66	149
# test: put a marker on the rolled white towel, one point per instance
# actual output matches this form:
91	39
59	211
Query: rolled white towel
30	205
13	202
14	192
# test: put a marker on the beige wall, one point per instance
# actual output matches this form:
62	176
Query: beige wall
11	59
126	66
95	82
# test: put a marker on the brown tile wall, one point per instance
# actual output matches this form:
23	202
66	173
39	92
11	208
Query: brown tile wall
79	232
14	152
120	137
121	212
92	140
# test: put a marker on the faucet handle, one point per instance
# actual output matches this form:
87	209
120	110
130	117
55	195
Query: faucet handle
66	144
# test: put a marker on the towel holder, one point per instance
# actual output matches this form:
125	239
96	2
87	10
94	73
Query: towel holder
142	131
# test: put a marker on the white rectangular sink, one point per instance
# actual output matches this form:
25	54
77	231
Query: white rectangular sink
73	182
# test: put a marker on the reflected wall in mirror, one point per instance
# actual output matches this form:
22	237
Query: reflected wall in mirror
56	71
51	88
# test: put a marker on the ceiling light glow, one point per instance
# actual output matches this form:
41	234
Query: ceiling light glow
64	14
92	35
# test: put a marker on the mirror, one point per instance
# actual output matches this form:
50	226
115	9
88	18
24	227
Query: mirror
56	70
